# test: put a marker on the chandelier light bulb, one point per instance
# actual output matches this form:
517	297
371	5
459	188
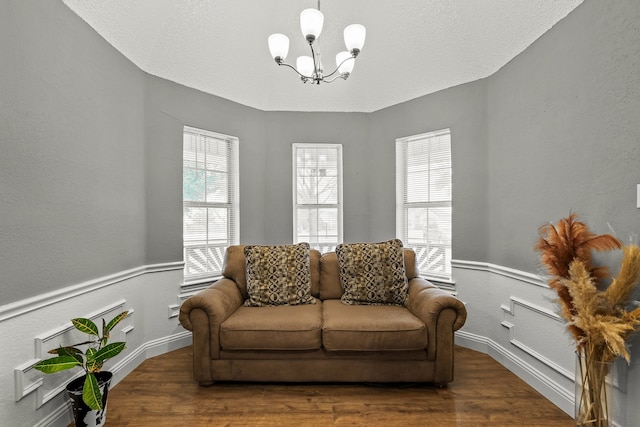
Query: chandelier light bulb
345	62
311	21
304	64
278	46
354	36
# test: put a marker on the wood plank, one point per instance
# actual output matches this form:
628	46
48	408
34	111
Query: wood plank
161	392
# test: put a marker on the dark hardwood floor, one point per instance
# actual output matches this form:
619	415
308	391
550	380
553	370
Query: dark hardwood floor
161	392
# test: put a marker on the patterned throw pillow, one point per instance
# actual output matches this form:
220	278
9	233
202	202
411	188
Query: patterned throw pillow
373	273
278	275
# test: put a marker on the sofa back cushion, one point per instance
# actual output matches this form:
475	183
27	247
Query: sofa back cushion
235	267
373	273
330	287
278	275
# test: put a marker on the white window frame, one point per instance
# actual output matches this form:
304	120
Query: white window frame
210	253
426	253
338	205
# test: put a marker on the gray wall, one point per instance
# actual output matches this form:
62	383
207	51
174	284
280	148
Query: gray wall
72	196
564	131
90	168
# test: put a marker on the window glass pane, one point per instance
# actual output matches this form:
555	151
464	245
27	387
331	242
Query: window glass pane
189	154
327	190
438	231
318	227
303	225
429	234
193	185
216	154
217	220
307	190
195	224
217	187
416	226
440	184
327	229
417	186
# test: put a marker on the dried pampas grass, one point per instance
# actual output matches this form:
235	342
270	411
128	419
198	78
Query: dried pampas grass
600	321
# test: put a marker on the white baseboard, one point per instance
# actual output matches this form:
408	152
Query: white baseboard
544	384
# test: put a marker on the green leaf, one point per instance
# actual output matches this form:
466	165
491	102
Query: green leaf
105	334
109	351
78	357
93	365
115	321
64	351
91	393
86	326
56	364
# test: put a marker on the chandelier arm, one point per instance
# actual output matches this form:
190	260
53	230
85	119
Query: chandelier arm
338	67
339	76
316	72
295	69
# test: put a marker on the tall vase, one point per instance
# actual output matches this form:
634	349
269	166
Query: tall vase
83	416
593	393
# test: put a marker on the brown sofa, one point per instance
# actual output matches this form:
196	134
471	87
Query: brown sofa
325	341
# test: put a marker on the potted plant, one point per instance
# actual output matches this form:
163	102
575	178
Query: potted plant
89	392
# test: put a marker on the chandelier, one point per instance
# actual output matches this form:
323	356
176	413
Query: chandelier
310	68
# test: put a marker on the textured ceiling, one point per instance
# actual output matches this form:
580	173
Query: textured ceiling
413	47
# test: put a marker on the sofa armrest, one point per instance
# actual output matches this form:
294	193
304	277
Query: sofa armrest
219	301
441	312
203	313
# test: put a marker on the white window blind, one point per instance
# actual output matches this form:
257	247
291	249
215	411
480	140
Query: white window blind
423	200
210	200
317	195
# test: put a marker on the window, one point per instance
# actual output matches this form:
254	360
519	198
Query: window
423	200
210	200
317	195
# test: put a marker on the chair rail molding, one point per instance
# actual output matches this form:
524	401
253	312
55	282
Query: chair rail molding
25	306
519	275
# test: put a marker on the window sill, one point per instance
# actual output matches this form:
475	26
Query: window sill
198	284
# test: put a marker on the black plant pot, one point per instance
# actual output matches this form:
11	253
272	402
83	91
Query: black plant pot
83	416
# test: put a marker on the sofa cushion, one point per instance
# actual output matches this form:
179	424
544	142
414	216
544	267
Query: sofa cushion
371	328
235	268
284	327
330	287
373	273
278	275
314	270
410	265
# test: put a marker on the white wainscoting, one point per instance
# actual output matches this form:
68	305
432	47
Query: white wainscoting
29	328
47	387
512	316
